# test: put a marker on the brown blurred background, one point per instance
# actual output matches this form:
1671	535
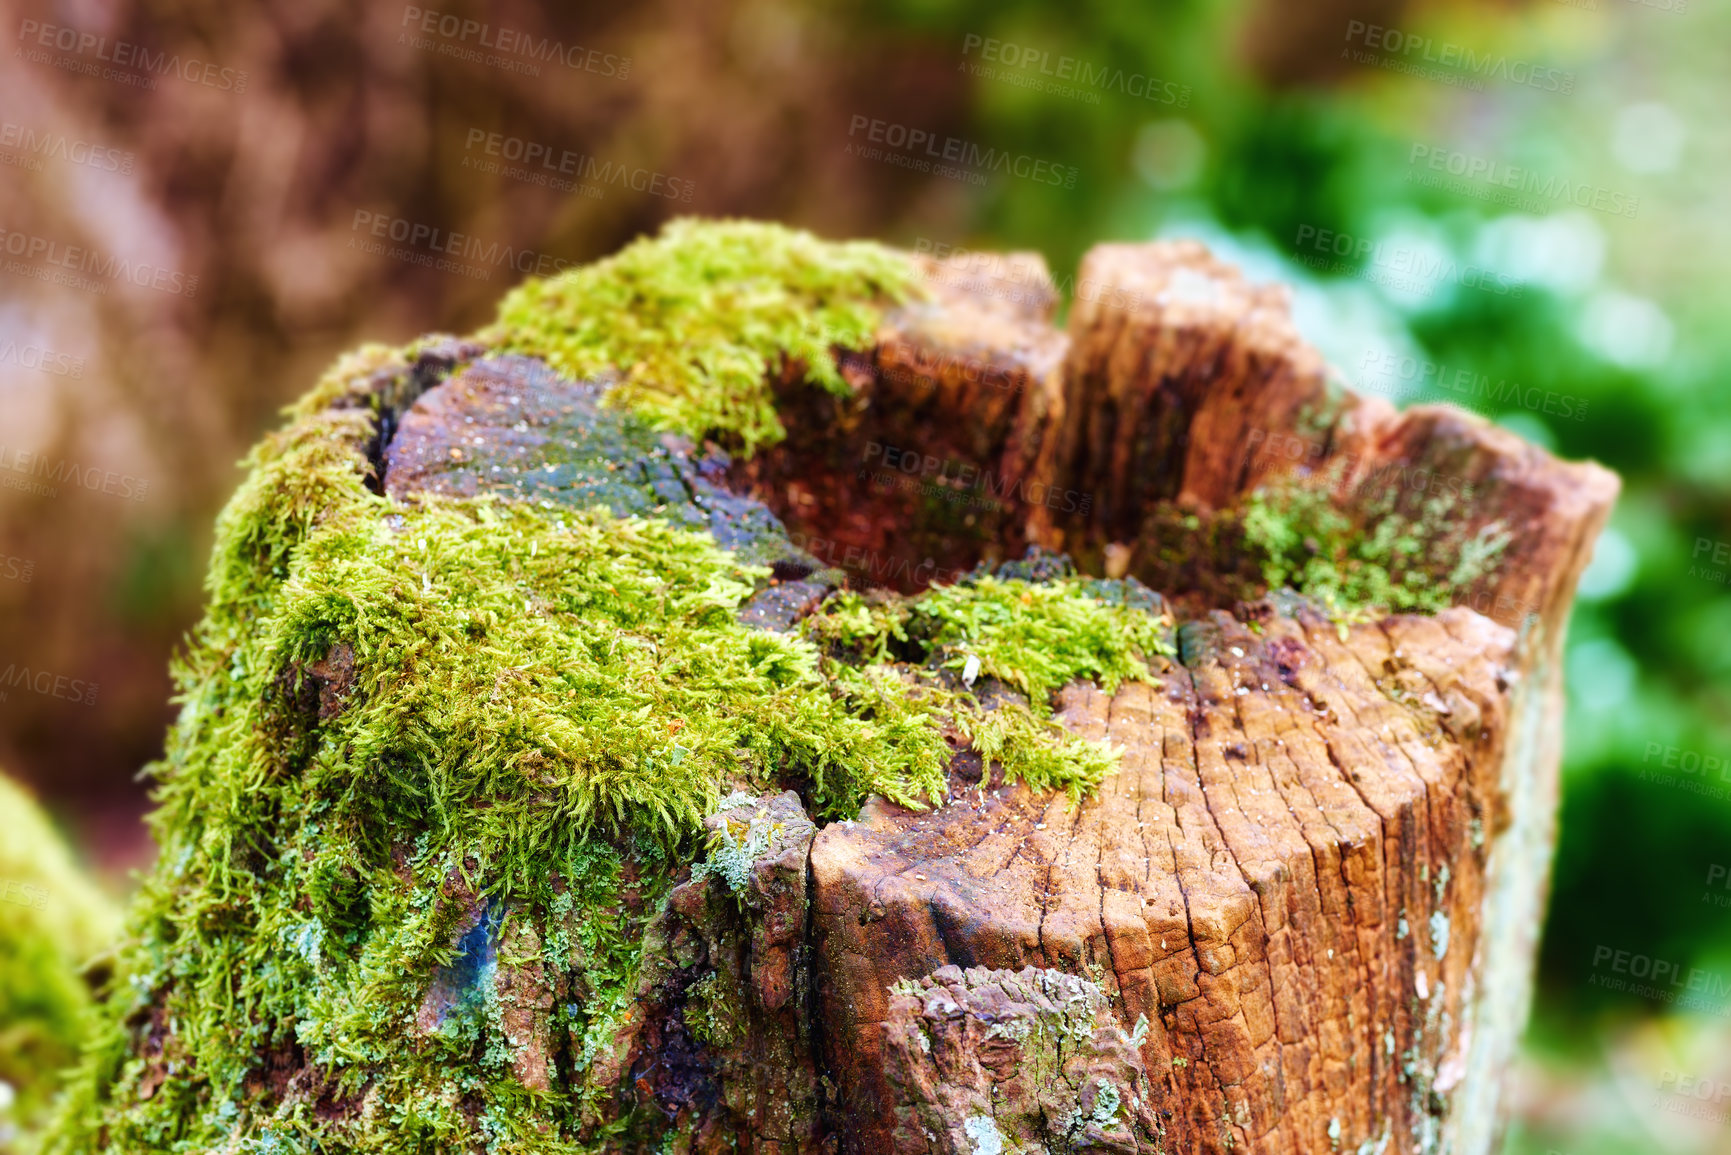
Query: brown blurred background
736	106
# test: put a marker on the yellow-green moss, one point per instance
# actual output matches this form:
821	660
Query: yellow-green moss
693	319
53	920
1375	559
406	723
1033	636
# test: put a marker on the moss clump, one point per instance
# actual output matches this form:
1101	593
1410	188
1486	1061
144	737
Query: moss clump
440	760
53	921
695	318
539	699
1377	558
1032	636
596	666
595	660
1404	539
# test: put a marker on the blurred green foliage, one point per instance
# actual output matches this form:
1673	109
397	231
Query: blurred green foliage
52	923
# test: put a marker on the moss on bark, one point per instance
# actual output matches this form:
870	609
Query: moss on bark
442	759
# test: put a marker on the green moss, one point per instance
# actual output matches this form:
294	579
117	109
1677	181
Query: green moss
1373	558
1032	636
1036	636
528	686
710	1014
695	318
420	741
53	920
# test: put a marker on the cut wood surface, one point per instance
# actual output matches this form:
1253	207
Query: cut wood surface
1301	913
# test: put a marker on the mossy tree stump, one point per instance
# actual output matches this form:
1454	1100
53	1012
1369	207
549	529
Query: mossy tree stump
772	695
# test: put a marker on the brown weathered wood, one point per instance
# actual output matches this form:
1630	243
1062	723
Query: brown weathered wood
1320	873
1259	881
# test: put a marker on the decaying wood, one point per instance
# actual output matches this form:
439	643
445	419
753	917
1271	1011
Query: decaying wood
1301	917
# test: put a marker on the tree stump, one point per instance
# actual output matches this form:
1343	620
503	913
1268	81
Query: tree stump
1117	737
